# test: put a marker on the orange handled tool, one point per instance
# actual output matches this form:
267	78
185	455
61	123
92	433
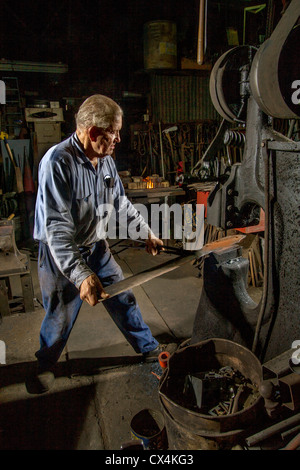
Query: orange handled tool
163	359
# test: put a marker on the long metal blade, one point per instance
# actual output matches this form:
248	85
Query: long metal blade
145	276
141	278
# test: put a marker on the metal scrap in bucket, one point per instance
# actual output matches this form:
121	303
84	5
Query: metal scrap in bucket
218	392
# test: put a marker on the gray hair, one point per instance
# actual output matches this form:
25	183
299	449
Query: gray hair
99	111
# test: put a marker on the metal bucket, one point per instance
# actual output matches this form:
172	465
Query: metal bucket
149	427
160	45
188	429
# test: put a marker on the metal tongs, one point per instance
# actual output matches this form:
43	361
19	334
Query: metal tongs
162	248
218	245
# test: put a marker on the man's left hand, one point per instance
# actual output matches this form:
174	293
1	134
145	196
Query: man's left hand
152	245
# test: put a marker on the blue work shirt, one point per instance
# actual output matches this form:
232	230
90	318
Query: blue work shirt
75	202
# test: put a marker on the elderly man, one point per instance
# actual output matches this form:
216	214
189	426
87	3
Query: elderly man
78	181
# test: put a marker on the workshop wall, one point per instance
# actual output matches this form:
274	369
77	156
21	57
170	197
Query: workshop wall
102	46
181	99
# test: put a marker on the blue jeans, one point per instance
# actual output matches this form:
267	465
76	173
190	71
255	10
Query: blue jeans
62	303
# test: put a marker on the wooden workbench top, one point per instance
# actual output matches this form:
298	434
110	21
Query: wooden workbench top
156	192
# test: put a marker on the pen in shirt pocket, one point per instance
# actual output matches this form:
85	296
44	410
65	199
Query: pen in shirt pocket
109	181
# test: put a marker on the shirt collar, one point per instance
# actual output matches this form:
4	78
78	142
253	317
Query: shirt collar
81	156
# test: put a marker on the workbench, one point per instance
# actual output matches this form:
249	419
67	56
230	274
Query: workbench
154	193
156	196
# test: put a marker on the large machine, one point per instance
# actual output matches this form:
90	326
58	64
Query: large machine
249	88
252	87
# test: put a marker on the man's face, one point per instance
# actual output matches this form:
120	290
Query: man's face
104	140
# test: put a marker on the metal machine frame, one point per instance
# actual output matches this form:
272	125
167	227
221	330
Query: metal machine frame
267	178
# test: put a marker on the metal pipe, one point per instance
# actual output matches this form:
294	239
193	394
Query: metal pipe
151	153
266	250
201	29
161	151
269	432
293	444
289	432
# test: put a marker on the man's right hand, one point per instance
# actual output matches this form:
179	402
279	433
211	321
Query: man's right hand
91	290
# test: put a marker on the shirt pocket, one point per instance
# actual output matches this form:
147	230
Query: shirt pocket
84	204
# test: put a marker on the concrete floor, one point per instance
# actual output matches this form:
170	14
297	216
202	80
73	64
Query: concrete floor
100	381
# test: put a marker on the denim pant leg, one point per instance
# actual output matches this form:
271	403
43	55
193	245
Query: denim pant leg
61	302
123	308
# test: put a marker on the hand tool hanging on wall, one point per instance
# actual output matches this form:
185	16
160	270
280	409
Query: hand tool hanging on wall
166	132
152	163
161	151
23	211
17	169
